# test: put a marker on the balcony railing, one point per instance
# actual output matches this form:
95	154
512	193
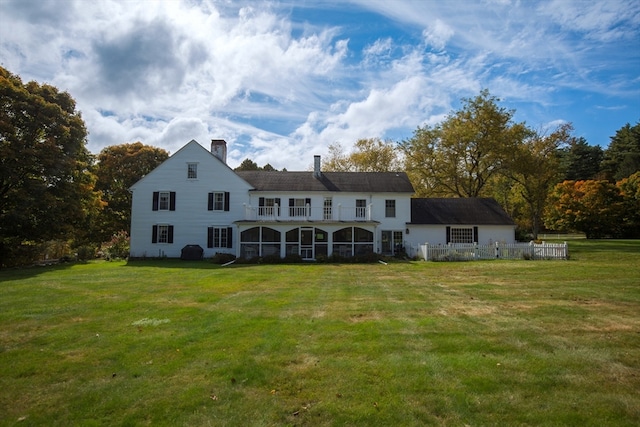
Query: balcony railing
321	213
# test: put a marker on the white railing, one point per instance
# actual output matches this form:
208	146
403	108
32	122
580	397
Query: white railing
470	252
322	213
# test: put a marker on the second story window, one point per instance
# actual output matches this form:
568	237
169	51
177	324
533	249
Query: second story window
299	207
192	170
218	201
390	208
164	201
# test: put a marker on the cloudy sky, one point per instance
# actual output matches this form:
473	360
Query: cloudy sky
281	80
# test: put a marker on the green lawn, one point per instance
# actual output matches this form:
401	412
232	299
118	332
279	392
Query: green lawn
193	344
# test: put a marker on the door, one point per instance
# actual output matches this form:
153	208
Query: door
306	243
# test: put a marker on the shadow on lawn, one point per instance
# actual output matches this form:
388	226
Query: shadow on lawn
14	273
203	265
604	245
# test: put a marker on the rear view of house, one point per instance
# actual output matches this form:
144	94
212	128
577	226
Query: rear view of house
194	198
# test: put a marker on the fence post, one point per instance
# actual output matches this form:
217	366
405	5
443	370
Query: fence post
497	250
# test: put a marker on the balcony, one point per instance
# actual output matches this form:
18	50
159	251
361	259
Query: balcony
337	213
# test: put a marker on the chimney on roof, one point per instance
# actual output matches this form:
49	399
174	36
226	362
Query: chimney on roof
219	149
316	167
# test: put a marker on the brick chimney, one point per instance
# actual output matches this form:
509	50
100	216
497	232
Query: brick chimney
219	149
316	167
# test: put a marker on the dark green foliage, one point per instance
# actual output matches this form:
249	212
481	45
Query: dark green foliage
222	258
46	184
622	157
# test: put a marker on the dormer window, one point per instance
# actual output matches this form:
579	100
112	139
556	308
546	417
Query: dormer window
192	170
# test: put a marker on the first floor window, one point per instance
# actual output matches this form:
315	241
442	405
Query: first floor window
462	234
219	237
162	233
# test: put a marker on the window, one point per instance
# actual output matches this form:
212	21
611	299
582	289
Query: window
361	208
162	234
298	207
219	237
267	206
218	201
259	241
462	234
350	241
192	170
328	203
164	200
390	208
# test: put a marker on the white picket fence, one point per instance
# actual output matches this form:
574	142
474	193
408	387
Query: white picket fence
471	252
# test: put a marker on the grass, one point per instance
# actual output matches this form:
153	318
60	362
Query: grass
190	343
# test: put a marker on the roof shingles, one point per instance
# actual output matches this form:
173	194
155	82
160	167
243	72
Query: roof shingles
382	182
463	211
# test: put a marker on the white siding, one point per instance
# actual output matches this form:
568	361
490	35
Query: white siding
437	234
191	216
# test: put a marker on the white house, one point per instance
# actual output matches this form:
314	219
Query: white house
194	198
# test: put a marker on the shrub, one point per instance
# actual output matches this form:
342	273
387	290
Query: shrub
118	246
222	258
86	252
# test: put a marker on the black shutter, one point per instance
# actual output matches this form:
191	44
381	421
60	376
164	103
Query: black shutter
475	234
154	234
307	202
261	201
210	236
448	234
156	198
229	237
170	237
290	203
226	200
172	201
210	205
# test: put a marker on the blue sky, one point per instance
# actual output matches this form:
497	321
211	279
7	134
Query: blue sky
281	80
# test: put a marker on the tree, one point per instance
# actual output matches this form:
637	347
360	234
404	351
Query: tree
461	155
369	155
622	157
579	160
250	165
534	167
630	192
593	207
46	186
118	168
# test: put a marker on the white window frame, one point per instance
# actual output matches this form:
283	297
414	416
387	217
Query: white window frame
390	208
164	200
220	237
163	233
192	171
461	235
218	200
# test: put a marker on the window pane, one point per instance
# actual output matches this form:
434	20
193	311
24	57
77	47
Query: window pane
270	235
343	235
292	235
461	235
362	235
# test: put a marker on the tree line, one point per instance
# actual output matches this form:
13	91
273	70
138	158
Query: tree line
58	198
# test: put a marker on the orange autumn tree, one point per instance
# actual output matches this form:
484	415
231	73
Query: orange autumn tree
592	207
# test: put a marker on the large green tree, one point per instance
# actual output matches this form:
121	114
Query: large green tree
118	168
534	168
461	155
579	160
46	187
622	156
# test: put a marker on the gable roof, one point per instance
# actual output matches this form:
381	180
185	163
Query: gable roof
381	182
463	211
